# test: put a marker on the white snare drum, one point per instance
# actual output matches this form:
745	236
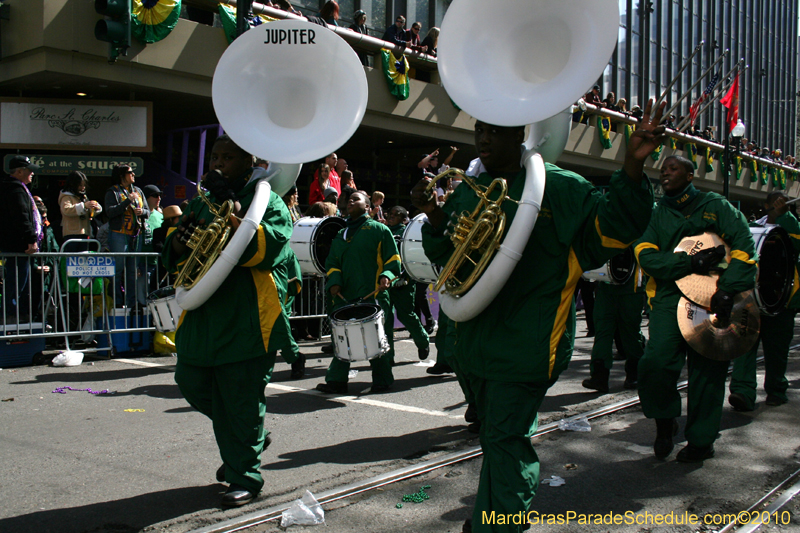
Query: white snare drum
617	271
357	332
311	241
412	256
164	309
776	264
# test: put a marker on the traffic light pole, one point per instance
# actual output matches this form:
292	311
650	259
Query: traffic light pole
244	9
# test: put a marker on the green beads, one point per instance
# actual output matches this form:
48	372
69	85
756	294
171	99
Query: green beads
417	497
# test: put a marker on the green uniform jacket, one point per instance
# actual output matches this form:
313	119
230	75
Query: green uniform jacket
789	222
707	212
523	335
358	258
225	328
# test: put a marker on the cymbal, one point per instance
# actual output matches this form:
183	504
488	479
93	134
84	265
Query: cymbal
699	288
712	339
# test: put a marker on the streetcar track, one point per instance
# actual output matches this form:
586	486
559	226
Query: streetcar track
786	495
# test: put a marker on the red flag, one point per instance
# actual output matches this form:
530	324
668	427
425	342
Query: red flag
731	102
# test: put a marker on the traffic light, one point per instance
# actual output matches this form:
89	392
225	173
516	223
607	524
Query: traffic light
115	28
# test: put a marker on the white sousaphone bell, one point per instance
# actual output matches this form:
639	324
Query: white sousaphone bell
525	62
286	91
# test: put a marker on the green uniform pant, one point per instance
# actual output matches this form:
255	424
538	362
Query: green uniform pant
445	349
775	337
510	470
615	311
381	366
232	396
402	299
660	368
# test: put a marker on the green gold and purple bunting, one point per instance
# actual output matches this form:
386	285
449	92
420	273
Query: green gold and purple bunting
604	130
657	152
396	73
738	168
782	178
152	20
691	151
709	160
629	129
753	167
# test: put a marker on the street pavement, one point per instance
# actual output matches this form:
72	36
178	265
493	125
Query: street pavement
142	459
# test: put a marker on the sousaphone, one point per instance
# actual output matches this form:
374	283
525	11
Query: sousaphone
526	62
289	92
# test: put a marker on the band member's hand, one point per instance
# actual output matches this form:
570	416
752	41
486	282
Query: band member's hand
422	200
184	232
336	291
722	305
218	186
779	207
32	248
383	283
705	261
647	137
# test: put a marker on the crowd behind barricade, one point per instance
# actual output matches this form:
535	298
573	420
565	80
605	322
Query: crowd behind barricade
747	146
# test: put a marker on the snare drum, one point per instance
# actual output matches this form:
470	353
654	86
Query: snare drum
357	332
311	241
617	271
164	309
412	256
775	268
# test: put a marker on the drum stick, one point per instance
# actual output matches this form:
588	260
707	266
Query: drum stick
787	203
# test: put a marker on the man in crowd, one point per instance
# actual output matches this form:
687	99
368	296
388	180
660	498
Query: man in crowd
514	350
684	211
22	232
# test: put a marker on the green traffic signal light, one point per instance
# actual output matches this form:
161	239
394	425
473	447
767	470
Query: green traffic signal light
115	29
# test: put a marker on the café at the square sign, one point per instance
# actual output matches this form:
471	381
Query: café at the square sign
35	124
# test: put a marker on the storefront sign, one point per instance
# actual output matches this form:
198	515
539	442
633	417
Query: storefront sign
76	125
91	165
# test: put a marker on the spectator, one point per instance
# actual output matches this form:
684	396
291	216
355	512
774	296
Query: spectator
172	215
330	13
332	197
77	211
152	195
22	233
593	97
321	210
637	112
127	212
610	102
314	192
285	5
396	33
347	180
377	211
623	106
263	163
290	199
359	25
320	183
413	39
44	267
430	162
431	41
341	166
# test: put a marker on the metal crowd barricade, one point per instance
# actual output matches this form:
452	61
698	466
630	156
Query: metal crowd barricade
85	312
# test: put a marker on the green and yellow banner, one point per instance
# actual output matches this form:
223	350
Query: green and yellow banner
691	151
604	130
152	20
227	16
396	73
709	160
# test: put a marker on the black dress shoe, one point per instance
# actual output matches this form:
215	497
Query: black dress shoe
333	387
475	427
740	403
666	429
774	400
424	353
237	495
472	414
596	383
695	454
377	389
440	368
631	384
467	528
430	326
298	373
328	348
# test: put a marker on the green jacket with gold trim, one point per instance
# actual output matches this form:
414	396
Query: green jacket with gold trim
244	318
526	334
708	212
359	257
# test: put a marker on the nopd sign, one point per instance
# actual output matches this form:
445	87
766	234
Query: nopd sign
90	266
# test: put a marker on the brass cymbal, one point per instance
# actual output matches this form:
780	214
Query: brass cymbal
721	342
699	288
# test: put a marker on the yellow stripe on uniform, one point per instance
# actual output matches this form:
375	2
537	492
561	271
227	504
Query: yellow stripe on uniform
380	265
608	242
651	291
644	246
796	285
261	251
331	271
560	324
742	256
395	257
269	303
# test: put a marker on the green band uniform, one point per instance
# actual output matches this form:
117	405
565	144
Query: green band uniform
402	300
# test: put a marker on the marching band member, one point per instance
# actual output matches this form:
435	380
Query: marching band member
224	363
402	298
618	308
363	259
515	349
776	331
684	211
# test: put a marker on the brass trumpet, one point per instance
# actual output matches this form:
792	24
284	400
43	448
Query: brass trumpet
476	235
206	244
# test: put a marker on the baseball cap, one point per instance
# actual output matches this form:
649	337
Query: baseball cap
19	161
151	190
